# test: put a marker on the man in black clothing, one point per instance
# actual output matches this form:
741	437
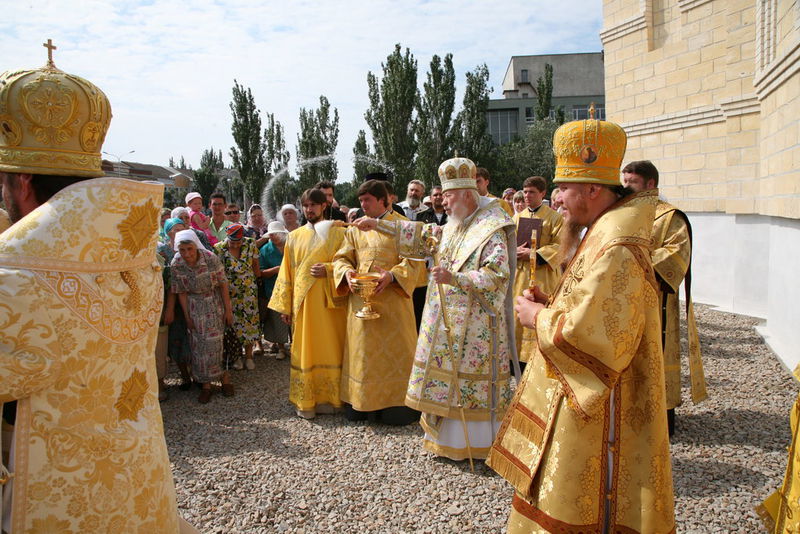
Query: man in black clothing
436	213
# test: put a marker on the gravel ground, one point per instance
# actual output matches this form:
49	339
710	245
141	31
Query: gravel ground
247	464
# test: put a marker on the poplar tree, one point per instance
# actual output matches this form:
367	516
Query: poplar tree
318	137
249	153
544	93
434	132
391	114
206	178
362	158
472	137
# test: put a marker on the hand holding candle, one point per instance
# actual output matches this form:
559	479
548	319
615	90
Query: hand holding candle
534	244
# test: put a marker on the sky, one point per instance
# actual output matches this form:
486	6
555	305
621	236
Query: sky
168	67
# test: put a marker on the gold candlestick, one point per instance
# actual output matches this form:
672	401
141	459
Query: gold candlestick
534	244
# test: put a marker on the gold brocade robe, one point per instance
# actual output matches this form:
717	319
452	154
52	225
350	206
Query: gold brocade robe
547	275
672	258
378	353
80	299
503	204
781	510
585	442
318	317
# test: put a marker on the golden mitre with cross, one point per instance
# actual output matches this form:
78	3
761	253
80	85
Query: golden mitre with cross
457	173
589	151
51	122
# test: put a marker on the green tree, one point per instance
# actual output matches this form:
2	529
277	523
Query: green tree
249	153
281	186
471	129
544	93
391	114
530	155
207	177
364	161
316	145
435	119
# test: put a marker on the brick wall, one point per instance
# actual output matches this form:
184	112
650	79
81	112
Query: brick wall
708	90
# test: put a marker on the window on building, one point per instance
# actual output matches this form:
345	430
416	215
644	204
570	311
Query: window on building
529	114
523	76
525	95
503	125
580	113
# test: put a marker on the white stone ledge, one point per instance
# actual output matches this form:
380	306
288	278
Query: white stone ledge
744	105
686	5
675	121
628	26
777	72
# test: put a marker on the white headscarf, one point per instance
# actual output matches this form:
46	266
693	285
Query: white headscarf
187	235
177	212
279	215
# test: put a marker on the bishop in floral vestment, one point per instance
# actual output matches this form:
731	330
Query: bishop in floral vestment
460	377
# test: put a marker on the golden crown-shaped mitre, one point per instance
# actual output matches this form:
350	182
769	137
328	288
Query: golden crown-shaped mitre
589	151
51	122
457	173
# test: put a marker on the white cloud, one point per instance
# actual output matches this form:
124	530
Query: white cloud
168	67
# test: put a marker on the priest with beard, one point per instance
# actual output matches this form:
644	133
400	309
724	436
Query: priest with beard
460	378
305	296
585	442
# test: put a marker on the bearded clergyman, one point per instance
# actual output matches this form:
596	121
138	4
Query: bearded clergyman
585	442
460	377
80	299
672	263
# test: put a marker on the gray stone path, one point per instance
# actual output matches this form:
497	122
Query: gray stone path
246	464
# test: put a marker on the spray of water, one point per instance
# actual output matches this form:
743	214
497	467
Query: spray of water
270	210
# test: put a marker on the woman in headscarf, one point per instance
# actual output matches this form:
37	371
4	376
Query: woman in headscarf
256	225
256	229
239	257
270	258
162	236
288	216
198	279
178	347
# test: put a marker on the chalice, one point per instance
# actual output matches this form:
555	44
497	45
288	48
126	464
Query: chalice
364	285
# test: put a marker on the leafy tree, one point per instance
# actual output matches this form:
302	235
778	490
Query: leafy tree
281	187
364	161
171	162
316	144
391	114
530	155
249	153
544	93
434	119
472	137
206	178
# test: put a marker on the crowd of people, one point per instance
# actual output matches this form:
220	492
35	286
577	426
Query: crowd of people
541	338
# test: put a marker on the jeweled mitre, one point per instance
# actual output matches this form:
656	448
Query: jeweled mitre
51	122
589	151
457	173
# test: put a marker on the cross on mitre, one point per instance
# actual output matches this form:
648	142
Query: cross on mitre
50	47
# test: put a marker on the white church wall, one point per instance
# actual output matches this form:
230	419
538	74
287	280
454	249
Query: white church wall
748	264
782	329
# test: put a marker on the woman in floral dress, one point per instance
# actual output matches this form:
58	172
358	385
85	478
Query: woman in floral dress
198	279
239	256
